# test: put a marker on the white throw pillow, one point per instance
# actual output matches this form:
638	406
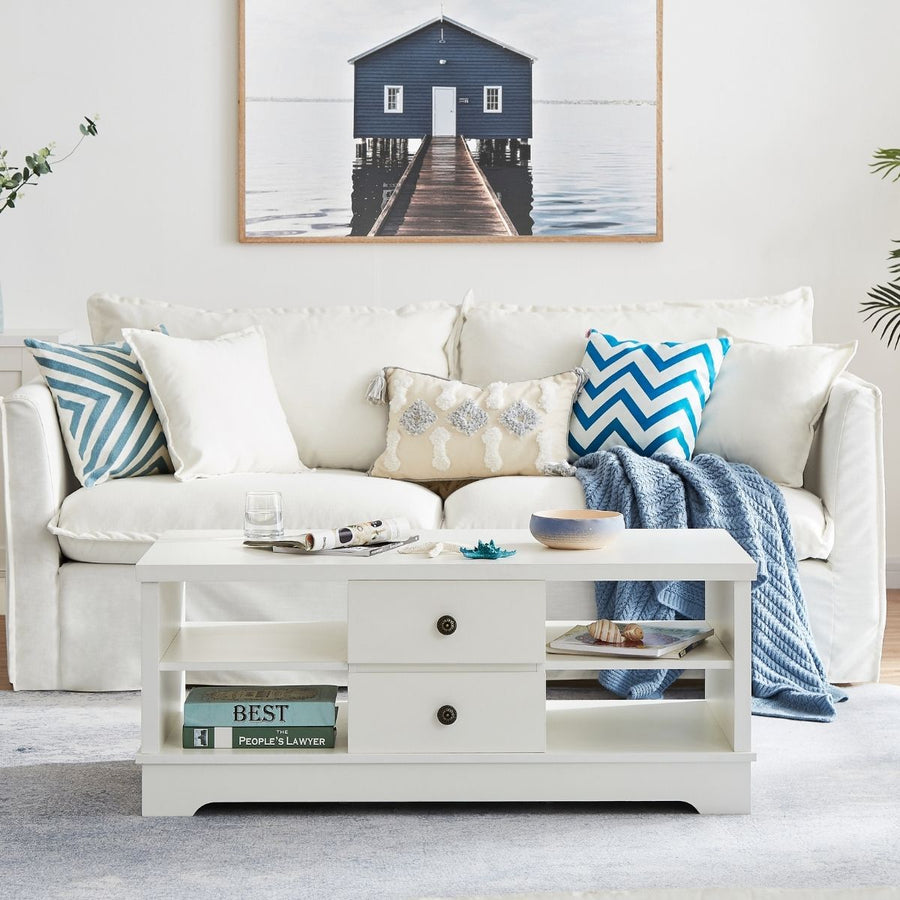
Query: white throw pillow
322	359
512	343
766	402
217	403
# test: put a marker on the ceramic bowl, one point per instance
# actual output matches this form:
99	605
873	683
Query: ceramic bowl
577	529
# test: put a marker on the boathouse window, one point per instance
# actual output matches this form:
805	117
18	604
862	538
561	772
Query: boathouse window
393	98
493	99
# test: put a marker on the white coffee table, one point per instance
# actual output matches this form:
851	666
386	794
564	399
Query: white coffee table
445	662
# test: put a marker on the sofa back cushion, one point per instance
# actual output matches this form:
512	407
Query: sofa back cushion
511	343
322	360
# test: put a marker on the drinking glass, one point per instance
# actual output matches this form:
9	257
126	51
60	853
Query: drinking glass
263	517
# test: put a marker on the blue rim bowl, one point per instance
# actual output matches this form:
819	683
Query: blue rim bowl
576	529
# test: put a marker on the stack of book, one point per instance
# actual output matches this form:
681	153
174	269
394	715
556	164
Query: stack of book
278	717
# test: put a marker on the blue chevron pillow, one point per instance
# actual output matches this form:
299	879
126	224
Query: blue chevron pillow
648	397
108	422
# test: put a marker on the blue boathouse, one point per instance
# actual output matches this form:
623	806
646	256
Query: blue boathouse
442	79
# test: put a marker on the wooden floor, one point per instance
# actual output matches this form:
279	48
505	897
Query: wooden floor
890	660
890	655
445	196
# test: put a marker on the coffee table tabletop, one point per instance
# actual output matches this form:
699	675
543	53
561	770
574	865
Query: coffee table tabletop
638	554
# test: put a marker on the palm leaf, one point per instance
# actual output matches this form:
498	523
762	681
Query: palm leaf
894	256
883	310
887	162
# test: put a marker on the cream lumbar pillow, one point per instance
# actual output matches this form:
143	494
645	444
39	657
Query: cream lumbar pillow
217	403
766	402
440	429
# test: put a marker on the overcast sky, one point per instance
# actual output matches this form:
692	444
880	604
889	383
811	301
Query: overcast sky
586	49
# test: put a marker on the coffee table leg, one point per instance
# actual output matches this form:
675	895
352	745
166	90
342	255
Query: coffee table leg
162	693
728	690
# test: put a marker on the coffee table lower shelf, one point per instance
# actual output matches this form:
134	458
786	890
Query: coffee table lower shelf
596	751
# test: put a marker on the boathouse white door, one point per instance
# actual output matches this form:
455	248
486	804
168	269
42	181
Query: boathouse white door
443	111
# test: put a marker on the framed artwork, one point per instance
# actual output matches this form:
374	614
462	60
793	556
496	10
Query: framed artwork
468	120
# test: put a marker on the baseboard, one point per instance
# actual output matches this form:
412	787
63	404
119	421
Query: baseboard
892	572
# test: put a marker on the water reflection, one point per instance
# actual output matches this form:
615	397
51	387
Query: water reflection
508	172
375	175
377	170
592	172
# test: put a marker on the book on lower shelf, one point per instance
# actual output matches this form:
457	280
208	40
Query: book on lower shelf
659	640
258	737
243	706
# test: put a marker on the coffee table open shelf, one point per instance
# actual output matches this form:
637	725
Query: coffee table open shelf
508	743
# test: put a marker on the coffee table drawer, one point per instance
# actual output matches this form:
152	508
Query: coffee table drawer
446	712
475	622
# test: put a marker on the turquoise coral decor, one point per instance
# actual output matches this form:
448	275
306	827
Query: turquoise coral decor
487	550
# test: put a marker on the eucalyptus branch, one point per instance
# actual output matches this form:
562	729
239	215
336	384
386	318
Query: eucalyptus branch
64	158
14	178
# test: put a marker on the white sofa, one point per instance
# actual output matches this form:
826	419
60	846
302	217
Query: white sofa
72	620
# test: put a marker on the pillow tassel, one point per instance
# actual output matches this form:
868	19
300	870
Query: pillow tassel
582	379
377	392
562	469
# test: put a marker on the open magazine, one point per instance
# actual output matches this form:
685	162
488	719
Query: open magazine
666	638
363	539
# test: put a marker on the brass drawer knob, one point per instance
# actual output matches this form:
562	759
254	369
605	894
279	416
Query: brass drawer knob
446	715
446	624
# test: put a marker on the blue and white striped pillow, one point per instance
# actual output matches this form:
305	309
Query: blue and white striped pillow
110	427
648	397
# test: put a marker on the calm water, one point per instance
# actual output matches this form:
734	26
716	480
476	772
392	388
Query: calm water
592	172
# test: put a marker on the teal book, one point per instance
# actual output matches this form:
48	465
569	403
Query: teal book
258	737
221	706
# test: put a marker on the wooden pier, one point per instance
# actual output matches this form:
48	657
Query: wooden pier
443	193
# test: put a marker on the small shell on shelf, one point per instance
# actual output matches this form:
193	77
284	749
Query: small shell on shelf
606	631
633	632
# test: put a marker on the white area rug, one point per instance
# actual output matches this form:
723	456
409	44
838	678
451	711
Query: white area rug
826	815
883	893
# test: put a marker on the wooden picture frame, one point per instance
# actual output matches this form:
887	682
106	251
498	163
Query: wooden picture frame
472	97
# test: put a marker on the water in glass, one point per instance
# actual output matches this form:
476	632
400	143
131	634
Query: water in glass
263	517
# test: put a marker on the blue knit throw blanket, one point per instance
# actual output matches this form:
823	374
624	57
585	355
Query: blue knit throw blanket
708	492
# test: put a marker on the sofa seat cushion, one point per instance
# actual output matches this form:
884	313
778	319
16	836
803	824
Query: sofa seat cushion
508	502
117	521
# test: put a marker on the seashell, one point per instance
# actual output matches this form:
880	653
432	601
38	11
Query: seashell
606	631
633	632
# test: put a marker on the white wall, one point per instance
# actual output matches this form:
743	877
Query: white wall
772	111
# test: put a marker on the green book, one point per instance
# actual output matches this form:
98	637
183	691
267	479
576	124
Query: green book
258	737
239	706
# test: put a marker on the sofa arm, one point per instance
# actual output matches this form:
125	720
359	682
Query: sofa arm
37	477
846	470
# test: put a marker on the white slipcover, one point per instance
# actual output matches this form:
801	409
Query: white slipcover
74	625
